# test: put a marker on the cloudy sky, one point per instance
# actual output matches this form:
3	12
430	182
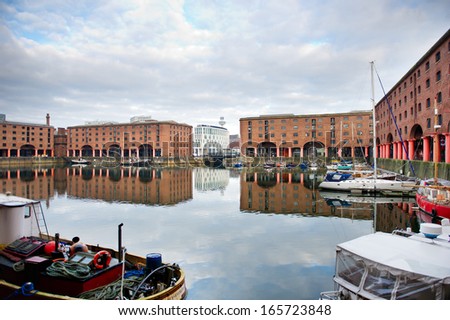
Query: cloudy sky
194	61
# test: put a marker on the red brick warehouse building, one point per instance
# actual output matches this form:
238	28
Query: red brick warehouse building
21	139
405	125
336	135
142	137
406	116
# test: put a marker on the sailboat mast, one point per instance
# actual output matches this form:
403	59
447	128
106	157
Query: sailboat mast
435	142
374	124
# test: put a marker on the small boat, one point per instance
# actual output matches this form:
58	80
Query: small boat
343	165
269	165
402	265
433	198
136	162
238	165
35	265
313	166
303	165
80	161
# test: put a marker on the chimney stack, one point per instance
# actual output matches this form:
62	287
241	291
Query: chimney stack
48	119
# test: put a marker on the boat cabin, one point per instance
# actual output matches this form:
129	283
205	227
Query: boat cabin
393	267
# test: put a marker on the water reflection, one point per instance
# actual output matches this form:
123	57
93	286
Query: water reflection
277	192
238	234
133	185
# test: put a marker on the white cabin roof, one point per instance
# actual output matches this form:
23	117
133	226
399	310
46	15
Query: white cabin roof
8	200
416	254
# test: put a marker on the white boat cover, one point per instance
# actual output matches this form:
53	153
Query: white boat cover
8	200
387	266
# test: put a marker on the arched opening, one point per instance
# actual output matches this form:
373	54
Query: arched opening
417	134
114	151
86	151
267	149
145	151
27	150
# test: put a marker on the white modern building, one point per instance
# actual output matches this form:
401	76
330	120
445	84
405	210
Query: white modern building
210	140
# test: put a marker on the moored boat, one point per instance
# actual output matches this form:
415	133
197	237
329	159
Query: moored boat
136	162
80	161
433	198
371	184
238	165
269	165
402	265
35	265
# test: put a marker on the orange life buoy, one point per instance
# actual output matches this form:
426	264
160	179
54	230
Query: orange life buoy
99	261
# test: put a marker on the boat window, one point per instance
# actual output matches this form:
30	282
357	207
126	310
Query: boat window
379	282
418	288
350	268
27	212
446	291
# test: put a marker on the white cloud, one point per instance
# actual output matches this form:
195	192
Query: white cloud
194	61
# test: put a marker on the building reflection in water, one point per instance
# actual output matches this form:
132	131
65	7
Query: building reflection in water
292	192
208	179
276	192
134	185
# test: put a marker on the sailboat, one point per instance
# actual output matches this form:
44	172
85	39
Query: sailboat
370	184
433	196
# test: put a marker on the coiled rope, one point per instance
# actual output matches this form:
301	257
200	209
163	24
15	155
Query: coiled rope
110	291
69	269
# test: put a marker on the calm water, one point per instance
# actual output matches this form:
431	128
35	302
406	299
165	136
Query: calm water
237	235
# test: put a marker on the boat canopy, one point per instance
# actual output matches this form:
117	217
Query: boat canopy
386	266
337	176
440	182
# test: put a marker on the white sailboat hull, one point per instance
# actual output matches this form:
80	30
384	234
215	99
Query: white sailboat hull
367	185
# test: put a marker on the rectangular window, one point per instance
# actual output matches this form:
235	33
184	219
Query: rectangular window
438	56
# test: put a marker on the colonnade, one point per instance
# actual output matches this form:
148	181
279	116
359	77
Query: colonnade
15	153
407	149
